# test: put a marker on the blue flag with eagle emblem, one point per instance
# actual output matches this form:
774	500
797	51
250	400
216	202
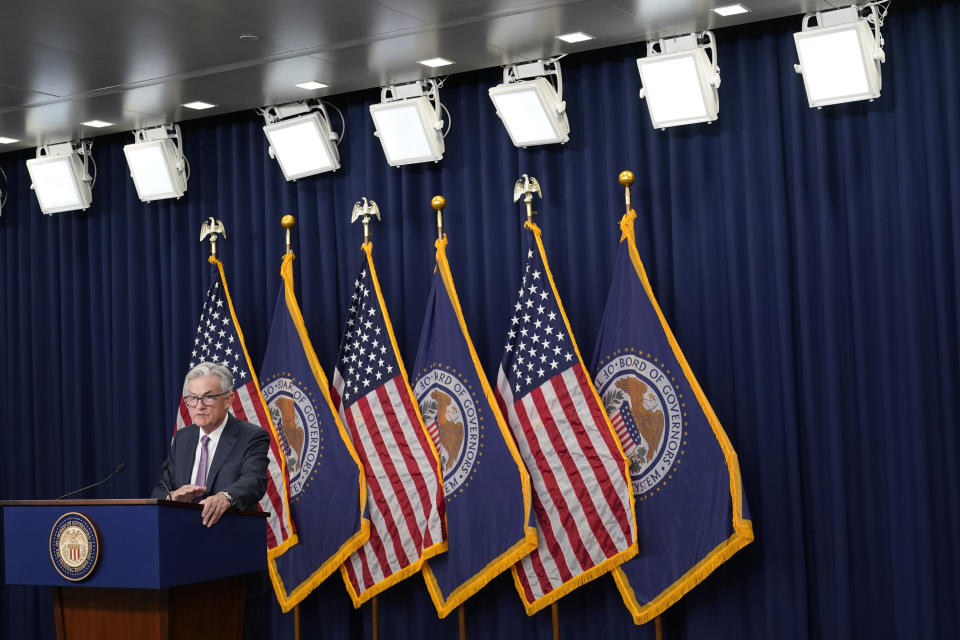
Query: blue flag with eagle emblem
691	512
488	500
327	484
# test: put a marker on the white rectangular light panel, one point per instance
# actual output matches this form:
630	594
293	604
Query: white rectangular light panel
153	167
302	146
433	63
5	140
677	88
528	110
198	105
58	183
576	36
405	129
837	64
312	85
98	124
731	10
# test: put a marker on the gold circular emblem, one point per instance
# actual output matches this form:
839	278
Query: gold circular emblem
74	546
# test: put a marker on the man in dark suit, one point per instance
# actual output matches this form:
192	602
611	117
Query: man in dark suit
218	460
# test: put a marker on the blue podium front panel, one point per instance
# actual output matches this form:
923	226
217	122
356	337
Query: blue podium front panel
145	546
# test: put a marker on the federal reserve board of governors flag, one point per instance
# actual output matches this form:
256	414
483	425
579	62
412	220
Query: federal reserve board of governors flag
581	496
690	506
404	487
486	485
327	484
219	339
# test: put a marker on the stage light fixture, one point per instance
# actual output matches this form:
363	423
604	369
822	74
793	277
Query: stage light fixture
530	105
680	80
157	165
60	176
408	122
840	57
301	139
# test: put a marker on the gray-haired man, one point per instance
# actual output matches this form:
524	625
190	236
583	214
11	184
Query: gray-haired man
218	460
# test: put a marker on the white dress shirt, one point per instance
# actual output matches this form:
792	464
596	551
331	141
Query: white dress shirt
211	450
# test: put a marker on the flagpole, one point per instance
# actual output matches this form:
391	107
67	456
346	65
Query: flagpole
287	223
526	186
363	210
555	620
439	203
626	179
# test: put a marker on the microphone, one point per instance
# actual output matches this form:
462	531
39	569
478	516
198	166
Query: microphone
163	472
120	467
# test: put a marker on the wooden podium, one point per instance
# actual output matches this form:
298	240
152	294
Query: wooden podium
160	573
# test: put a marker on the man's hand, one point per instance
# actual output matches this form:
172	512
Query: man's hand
213	508
187	493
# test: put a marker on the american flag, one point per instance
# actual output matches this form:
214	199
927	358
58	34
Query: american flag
405	491
581	495
219	339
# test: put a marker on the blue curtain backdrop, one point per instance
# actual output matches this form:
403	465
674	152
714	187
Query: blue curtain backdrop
806	259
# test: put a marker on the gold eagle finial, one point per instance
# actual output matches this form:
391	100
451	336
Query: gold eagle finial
363	210
526	186
214	229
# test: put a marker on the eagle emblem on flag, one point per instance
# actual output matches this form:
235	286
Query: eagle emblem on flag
645	411
450	414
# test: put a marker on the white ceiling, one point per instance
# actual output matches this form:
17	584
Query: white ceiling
134	62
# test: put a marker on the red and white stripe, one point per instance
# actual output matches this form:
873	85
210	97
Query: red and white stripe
247	405
581	496
626	441
434	430
405	492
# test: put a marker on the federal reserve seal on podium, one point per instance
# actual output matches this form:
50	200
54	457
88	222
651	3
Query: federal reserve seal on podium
74	546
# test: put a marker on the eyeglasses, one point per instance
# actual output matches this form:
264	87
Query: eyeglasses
207	400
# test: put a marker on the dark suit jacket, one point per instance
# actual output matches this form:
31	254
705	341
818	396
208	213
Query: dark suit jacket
239	465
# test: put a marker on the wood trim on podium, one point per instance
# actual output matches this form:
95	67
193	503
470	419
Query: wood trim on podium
211	610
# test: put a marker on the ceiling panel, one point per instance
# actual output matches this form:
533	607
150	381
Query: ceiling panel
14	97
434	12
534	34
139	41
676	17
392	60
291	24
245	88
44	69
148	40
60	121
